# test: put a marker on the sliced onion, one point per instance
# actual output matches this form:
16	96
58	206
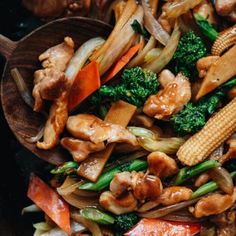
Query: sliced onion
37	137
92	226
121	43
222	177
182	216
141	132
139	59
166	145
148	206
80	202
29	209
152	55
179	7
218	152
153	26
168	209
42	226
167	53
81	56
75	229
25	93
71	185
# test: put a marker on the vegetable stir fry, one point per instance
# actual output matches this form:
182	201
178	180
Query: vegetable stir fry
148	116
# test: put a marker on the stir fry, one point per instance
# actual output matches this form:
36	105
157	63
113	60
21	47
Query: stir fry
148	117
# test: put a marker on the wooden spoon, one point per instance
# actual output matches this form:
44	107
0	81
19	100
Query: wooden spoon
23	54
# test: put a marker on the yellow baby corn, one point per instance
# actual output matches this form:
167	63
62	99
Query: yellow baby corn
216	131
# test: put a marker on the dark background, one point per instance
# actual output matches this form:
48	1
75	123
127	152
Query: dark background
16	163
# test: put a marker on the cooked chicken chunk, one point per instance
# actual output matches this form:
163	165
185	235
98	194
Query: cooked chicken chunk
58	56
161	165
49	84
214	204
147	187
120	183
80	149
226	223
169	100
118	206
56	122
175	194
91	128
143	186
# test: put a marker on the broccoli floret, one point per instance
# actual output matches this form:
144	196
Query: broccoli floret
135	86
189	50
125	222
193	116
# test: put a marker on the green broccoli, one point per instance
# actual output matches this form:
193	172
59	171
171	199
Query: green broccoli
125	222
189	50
193	116
206	28
135	87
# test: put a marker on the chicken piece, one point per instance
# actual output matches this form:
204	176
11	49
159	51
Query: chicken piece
169	100
80	149
226	223
120	183
56	122
118	206
175	194
166	77
91	128
206	10
232	16
49	84
161	165
147	187
225	7
214	204
143	186
203	64
58	56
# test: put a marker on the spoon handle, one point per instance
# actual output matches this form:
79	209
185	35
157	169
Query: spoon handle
7	46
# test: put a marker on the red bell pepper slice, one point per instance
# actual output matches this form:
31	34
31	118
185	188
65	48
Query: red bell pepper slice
50	202
150	227
86	82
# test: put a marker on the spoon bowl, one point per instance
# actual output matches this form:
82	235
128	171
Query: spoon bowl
23	54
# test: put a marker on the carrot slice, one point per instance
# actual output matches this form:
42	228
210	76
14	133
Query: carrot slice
147	227
50	202
122	62
86	82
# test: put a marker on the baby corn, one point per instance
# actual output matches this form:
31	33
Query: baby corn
216	131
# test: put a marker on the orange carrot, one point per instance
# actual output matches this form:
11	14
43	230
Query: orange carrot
86	82
50	202
147	227
122	62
